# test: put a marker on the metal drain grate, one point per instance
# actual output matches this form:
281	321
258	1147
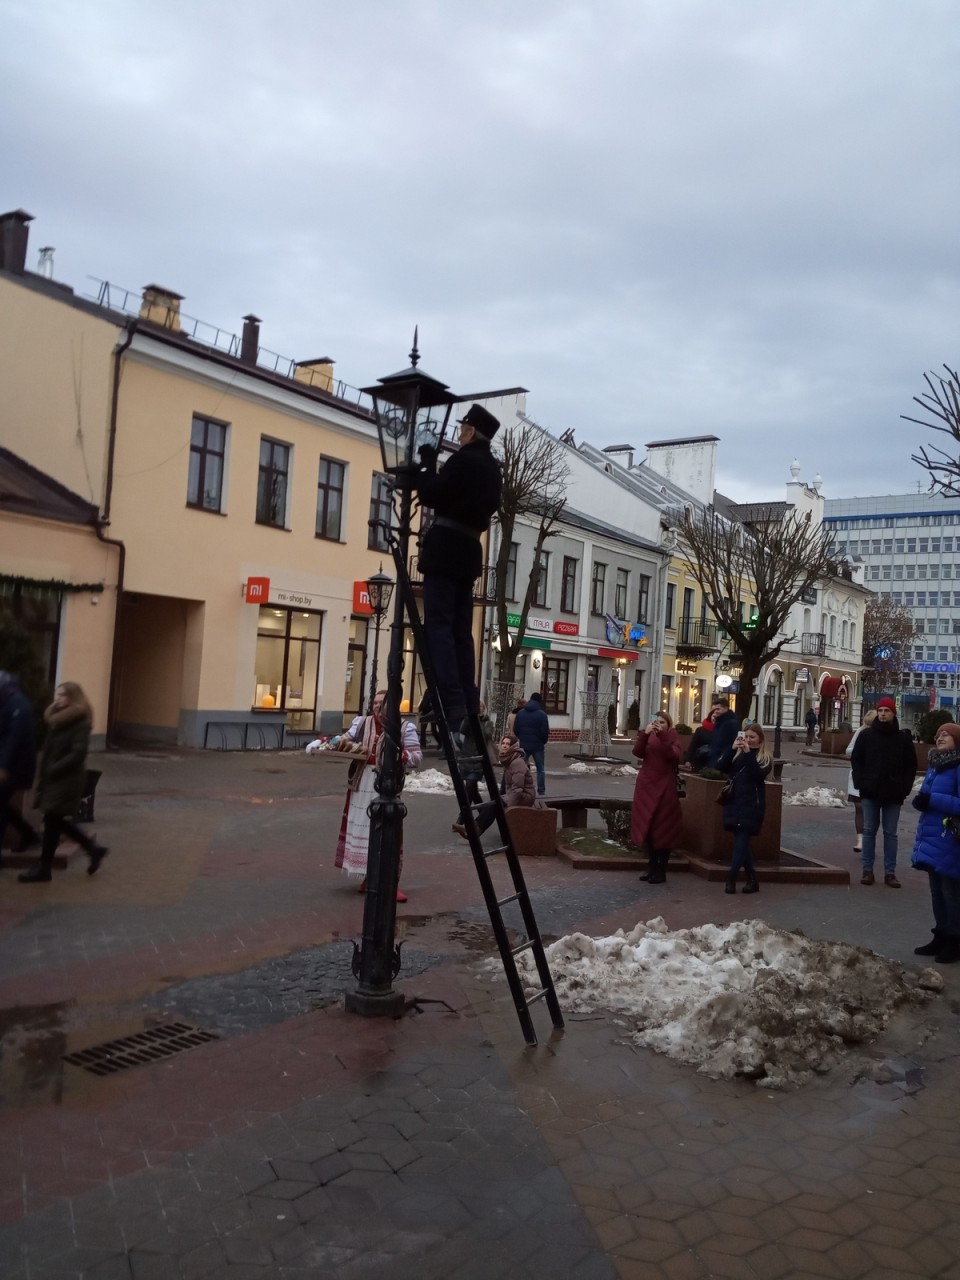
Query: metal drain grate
140	1049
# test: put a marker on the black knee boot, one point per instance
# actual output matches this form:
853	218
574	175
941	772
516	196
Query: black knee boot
658	862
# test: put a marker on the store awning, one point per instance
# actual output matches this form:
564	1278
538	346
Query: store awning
831	687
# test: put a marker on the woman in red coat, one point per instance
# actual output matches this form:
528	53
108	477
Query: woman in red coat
655	819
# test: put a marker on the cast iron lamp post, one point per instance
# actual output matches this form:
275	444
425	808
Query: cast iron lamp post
412	410
379	591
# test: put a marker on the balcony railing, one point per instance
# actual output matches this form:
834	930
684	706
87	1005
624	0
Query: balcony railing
813	644
694	634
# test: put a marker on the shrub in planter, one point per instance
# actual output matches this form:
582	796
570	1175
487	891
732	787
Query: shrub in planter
684	730
930	722
617	821
717	774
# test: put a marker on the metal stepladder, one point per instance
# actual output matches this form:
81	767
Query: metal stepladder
481	856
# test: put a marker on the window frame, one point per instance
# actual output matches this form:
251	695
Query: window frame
621	593
271	472
643	599
568	585
510	576
203	452
540	594
554	704
326	489
598	588
381	508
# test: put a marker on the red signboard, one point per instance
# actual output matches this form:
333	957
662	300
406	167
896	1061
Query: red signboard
566	629
620	655
258	590
361	599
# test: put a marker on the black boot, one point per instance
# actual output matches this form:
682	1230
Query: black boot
651	865
935	944
949	952
731	885
38	872
751	886
658	862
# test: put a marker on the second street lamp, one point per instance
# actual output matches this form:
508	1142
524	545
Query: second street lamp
379	593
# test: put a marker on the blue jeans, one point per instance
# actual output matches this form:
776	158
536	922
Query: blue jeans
448	623
945	898
742	856
537	758
876	814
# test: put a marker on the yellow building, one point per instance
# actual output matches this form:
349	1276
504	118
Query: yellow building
234	503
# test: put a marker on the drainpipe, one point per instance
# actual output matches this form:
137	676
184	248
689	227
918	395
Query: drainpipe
103	524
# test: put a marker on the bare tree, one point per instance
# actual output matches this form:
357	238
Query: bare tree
752	573
941	402
534	493
888	632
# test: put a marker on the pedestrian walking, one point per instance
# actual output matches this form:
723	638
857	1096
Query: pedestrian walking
516	786
532	726
748	762
61	777
18	759
363	739
464	495
726	726
884	766
810	720
655	819
853	795
936	849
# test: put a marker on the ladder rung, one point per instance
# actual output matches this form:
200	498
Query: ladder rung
537	996
514	897
489	853
523	946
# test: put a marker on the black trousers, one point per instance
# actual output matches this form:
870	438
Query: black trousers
9	814
448	623
53	828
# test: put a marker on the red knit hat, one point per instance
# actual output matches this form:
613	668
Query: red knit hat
888	703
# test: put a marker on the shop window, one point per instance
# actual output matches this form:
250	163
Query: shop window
556	673
330	484
208	446
381	513
288	663
272	482
568	585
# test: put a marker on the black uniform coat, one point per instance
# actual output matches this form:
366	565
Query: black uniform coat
465	489
884	762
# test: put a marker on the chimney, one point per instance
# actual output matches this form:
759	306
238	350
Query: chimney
315	373
161	306
13	241
250	341
45	264
619	451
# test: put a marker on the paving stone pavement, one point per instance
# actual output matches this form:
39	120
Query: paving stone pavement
304	1142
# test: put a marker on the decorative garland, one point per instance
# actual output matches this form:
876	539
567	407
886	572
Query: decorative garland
53	584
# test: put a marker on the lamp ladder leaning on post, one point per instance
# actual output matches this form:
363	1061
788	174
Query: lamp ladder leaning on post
532	942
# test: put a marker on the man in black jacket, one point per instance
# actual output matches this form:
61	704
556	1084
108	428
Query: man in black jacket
884	767
464	494
726	726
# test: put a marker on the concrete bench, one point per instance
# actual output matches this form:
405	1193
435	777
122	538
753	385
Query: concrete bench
574	810
533	831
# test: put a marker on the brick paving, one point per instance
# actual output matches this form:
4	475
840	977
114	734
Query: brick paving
303	1142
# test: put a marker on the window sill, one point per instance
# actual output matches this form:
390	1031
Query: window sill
192	506
267	524
322	537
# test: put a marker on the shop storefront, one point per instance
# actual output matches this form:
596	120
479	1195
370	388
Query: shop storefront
288	663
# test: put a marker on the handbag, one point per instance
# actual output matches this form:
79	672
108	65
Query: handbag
681	787
725	792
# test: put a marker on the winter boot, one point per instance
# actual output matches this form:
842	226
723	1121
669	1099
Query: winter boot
38	873
731	885
659	861
751	886
949	953
936	943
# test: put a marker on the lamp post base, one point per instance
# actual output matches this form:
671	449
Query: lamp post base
373	1004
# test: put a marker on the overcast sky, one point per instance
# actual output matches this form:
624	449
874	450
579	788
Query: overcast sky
662	217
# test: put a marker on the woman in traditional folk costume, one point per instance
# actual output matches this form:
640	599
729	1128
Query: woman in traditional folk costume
366	732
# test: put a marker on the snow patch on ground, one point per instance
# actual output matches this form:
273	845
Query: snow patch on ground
739	1000
429	782
819	797
608	770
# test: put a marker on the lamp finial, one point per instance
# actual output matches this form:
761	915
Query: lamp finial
415	354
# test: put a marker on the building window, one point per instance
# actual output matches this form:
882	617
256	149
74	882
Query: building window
208	444
510	583
272	483
620	596
643	599
671	605
568	586
540	595
853	636
597	585
381	513
37	610
330	499
556	672
288	663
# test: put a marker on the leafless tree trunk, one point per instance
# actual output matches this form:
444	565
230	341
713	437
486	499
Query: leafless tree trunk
942	403
534	493
752	574
888	631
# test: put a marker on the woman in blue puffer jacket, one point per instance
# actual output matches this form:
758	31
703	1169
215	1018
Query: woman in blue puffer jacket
936	849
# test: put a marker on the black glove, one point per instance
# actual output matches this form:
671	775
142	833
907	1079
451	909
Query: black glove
428	456
921	800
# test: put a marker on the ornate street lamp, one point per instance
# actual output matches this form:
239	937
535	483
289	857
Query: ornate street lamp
412	411
379	593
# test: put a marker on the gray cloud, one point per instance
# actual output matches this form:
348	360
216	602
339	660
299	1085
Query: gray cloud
662	218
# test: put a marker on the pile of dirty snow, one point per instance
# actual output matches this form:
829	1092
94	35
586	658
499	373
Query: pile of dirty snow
737	1000
430	782
821	797
608	770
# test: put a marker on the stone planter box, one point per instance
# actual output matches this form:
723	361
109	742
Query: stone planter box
703	833
833	743
923	750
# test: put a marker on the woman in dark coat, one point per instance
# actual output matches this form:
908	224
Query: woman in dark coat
748	763
60	780
937	849
655	819
884	766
